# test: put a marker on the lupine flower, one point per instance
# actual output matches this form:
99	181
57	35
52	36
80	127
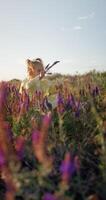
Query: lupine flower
40	152
60	109
6	139
67	168
46	121
6	154
49	196
24	103
38	145
39	142
68	103
60	103
25	100
77	112
36	136
2	159
95	91
60	99
72	99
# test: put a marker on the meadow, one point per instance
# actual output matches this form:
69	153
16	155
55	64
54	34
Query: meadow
54	153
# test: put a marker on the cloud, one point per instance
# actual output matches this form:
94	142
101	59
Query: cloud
66	29
77	28
90	16
82	17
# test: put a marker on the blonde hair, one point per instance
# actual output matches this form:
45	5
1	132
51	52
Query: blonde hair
37	63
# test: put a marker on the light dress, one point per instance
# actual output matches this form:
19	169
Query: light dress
36	84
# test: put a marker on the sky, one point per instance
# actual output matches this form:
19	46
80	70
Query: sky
72	31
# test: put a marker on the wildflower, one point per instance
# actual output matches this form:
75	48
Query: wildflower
60	107
67	168
46	121
2	158
49	196
60	99
72	99
38	146
39	143
36	136
25	100
68	103
77	112
6	156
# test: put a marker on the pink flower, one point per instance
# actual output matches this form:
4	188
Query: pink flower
36	136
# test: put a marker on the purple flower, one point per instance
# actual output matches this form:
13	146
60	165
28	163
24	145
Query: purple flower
67	167
35	136
60	99
26	100
68	103
2	158
77	113
72	99
49	196
47	120
9	133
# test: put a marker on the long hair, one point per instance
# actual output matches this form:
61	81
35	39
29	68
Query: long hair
37	63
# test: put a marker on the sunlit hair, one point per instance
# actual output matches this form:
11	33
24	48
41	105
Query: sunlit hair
37	63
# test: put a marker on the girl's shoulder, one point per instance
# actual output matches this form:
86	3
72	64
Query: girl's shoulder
24	81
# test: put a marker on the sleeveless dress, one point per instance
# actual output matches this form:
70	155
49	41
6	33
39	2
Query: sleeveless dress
44	85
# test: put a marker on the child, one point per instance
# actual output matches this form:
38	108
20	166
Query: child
36	73
36	81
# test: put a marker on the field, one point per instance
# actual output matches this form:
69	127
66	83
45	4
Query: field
54	152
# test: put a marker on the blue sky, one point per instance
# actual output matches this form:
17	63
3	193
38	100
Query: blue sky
72	31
